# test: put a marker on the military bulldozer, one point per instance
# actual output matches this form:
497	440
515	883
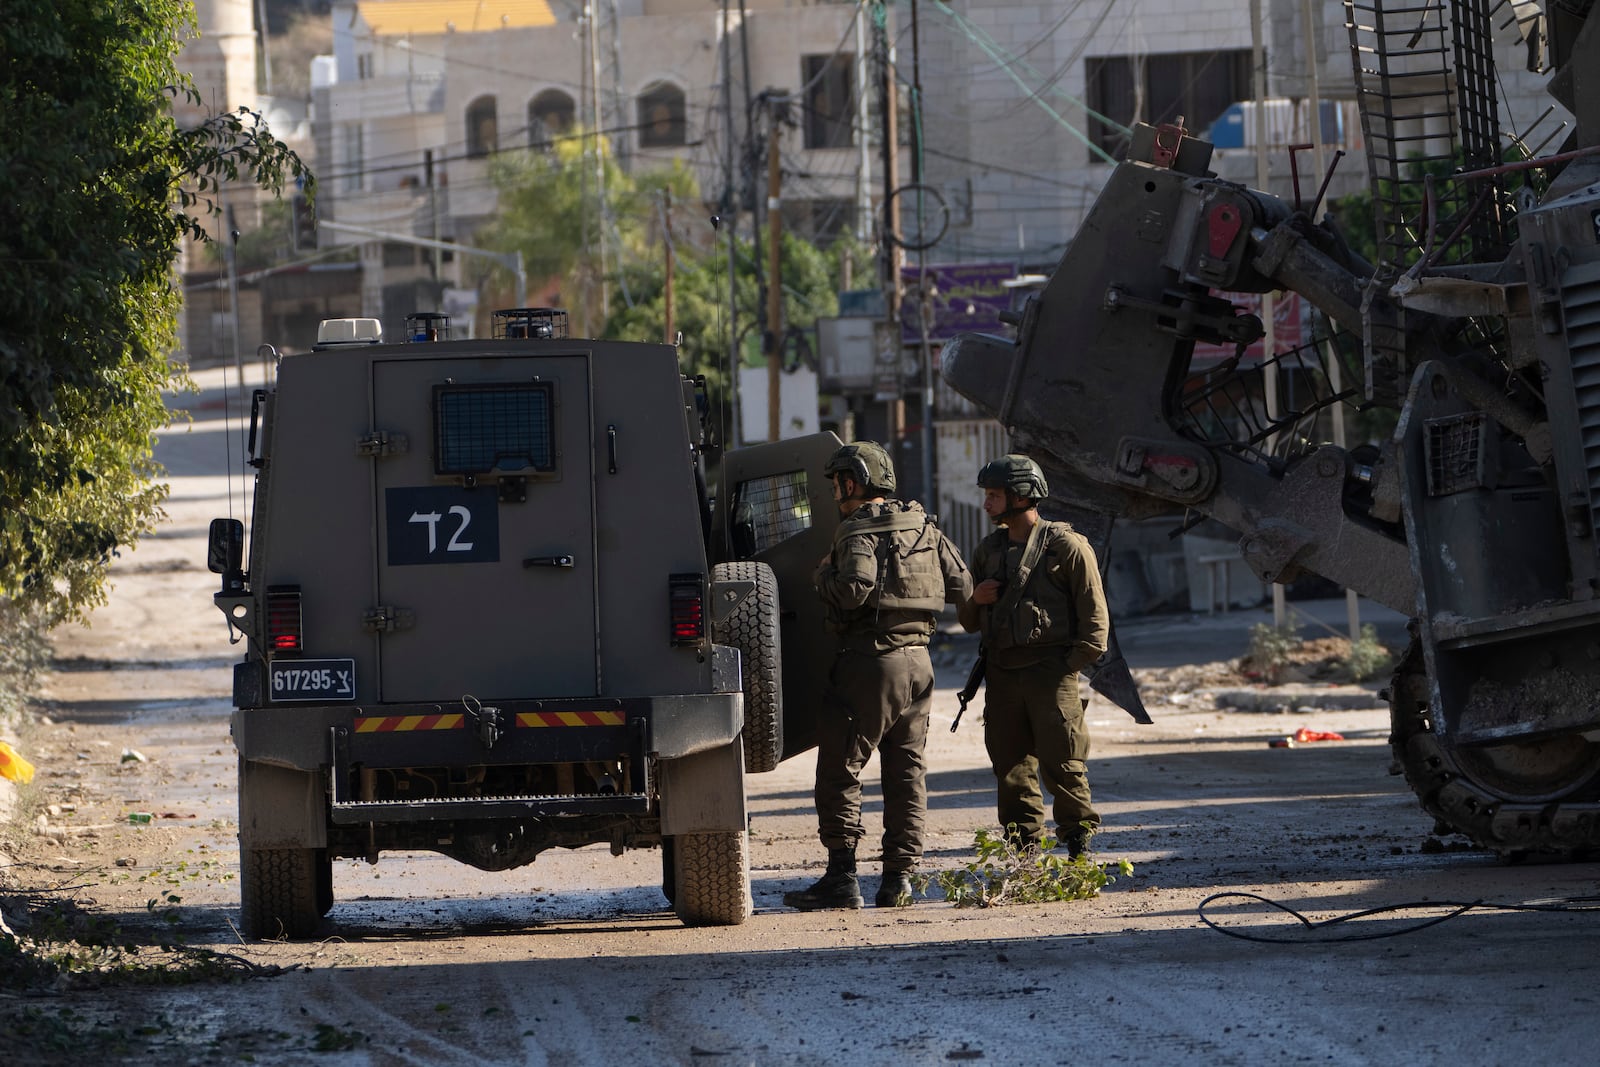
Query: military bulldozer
1468	345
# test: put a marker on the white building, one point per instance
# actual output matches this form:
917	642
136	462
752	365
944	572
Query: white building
422	94
1025	99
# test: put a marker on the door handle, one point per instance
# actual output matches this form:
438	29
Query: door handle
548	561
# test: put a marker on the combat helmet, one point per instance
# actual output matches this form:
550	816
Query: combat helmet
1017	474
866	462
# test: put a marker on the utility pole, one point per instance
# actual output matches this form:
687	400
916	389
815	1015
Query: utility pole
747	185
624	150
1269	342
583	171
892	255
266	52
730	208
924	287
666	235
599	157
774	276
433	209
1352	605
230	254
863	124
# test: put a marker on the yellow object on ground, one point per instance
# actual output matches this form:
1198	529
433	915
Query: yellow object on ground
13	766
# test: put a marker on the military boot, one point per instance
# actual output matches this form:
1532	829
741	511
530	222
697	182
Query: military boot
895	890
837	888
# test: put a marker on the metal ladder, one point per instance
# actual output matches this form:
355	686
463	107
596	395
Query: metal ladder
1424	77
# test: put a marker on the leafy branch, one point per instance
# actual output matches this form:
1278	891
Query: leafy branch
1007	872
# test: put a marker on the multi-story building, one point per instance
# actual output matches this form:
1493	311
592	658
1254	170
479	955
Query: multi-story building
1028	102
422	94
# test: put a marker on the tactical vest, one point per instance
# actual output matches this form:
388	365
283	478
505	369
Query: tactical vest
1043	614
910	587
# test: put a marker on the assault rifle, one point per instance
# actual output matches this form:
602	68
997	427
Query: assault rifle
974	680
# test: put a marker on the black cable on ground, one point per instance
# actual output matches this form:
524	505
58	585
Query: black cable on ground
1588	903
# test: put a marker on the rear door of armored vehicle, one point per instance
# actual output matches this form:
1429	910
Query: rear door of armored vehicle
486	533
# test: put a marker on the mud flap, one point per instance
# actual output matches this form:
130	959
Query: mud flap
281	808
704	792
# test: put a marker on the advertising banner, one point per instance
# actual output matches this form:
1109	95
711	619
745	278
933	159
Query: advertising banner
957	297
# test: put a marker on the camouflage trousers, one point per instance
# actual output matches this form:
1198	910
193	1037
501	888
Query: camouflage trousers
876	703
1033	726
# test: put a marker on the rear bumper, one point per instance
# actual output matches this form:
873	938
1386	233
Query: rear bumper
305	736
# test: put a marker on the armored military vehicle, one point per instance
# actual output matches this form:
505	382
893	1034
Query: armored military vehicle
1468	346
491	609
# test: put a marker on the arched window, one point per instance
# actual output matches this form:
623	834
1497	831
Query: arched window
661	117
550	115
483	134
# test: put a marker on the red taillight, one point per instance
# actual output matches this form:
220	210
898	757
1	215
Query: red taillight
686	595
283	620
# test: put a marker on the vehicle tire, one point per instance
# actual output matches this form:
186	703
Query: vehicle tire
324	864
280	891
752	628
713	876
669	868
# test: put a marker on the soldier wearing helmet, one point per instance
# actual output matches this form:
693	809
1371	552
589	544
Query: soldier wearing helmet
1040	607
888	577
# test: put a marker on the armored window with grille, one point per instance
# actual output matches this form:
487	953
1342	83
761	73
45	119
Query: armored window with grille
500	427
1455	453
772	509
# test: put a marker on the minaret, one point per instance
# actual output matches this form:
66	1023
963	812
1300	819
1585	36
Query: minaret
221	60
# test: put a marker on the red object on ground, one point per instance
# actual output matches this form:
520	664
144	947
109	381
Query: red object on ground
1303	734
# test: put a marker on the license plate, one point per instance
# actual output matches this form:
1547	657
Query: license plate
312	679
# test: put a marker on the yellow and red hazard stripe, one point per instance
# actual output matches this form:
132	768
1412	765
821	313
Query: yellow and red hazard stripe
399	724
571	718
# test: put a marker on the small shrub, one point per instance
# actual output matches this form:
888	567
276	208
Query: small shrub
1367	655
1002	873
1271	650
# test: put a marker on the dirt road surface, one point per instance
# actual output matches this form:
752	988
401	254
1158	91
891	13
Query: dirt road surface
577	959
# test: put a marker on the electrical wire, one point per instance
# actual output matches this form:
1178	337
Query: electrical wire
1457	908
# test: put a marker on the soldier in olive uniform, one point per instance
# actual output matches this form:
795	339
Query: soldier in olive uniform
889	575
1039	604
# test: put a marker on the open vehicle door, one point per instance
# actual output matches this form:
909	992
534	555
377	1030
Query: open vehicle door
775	507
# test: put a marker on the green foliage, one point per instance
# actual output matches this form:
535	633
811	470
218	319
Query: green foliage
700	303
1271	650
98	188
24	652
546	210
1368	656
1354	217
65	947
1002	873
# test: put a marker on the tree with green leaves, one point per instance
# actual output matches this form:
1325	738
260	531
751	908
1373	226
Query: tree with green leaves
548	211
548	208
700	302
98	187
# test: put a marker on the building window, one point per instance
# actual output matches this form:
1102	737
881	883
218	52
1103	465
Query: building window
661	117
364	66
355	160
482	127
819	221
830	100
399	255
1159	88
550	114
